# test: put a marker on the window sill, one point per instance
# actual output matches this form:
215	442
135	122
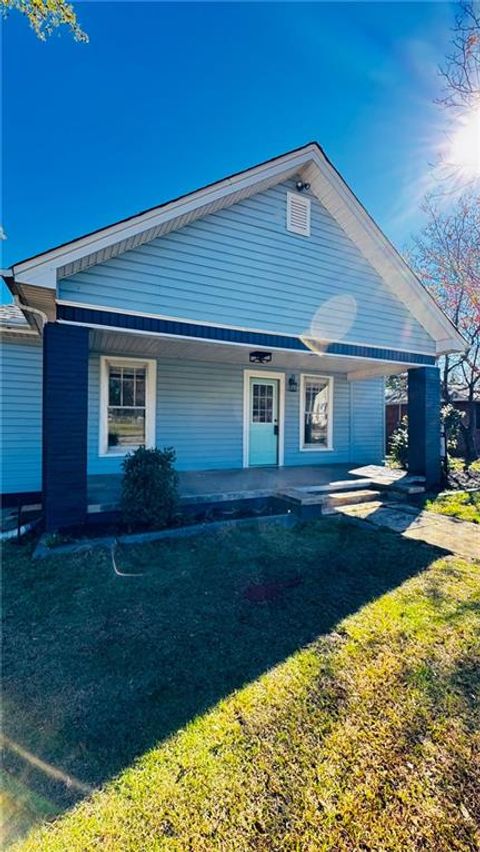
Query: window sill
317	449
115	454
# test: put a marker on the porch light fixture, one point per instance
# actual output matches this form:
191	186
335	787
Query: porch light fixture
302	185
260	357
292	384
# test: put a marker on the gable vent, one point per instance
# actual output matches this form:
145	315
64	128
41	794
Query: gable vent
298	214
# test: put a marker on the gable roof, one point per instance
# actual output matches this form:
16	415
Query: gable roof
308	162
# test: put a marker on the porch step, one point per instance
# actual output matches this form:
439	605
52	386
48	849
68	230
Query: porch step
338	485
397	488
349	498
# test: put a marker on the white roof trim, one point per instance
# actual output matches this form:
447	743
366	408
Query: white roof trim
326	184
42	269
332	191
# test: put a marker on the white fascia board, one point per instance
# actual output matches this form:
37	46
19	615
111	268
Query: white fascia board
449	345
40	276
40	270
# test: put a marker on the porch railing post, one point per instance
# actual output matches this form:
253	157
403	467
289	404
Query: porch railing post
65	388
424	423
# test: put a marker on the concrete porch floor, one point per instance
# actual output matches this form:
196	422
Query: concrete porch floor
104	489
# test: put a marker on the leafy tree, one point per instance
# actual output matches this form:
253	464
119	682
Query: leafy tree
397	383
46	16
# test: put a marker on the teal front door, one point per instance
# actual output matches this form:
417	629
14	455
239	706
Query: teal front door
263	422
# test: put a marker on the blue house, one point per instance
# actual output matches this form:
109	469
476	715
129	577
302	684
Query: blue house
248	324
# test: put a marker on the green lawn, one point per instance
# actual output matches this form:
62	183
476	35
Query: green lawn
305	689
462	504
458	464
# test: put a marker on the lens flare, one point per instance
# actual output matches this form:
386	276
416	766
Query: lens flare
464	148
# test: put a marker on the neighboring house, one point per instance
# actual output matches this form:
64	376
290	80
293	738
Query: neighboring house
396	407
249	323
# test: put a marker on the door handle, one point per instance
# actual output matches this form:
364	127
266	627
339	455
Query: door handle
275	429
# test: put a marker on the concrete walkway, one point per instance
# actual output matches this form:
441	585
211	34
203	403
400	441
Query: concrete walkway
459	537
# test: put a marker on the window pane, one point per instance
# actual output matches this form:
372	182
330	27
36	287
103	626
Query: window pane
114	387
126	427
316	413
140	387
128	384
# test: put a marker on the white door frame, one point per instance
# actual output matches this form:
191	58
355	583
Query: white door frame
263	374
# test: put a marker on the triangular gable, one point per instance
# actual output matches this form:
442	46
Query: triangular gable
326	183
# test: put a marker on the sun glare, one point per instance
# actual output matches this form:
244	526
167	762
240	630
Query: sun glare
464	149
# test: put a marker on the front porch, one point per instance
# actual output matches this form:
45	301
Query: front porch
217	486
200	400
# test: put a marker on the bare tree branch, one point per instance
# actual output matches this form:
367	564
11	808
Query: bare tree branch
446	257
461	71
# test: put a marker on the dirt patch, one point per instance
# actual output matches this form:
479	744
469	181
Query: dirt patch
259	592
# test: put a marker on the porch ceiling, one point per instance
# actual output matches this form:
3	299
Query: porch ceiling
155	346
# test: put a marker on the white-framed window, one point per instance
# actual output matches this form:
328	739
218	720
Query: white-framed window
127	404
316	412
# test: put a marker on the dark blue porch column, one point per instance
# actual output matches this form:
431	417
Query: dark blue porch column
65	386
424	423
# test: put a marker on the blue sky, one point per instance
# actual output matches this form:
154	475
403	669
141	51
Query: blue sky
168	97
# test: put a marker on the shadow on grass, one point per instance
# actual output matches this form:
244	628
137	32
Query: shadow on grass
100	668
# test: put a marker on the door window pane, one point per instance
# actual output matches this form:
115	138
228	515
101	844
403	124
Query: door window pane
262	403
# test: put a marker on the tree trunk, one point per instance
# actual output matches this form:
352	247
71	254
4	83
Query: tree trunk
471	427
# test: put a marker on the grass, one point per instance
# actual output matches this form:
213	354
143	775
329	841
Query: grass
461	504
457	465
361	738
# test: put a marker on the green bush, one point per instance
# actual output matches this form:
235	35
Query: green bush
149	488
399	444
452	422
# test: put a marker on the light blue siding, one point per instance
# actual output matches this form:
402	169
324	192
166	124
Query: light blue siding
21	416
368	420
199	411
241	267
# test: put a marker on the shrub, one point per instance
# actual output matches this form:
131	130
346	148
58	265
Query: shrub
149	488
452	422
399	444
